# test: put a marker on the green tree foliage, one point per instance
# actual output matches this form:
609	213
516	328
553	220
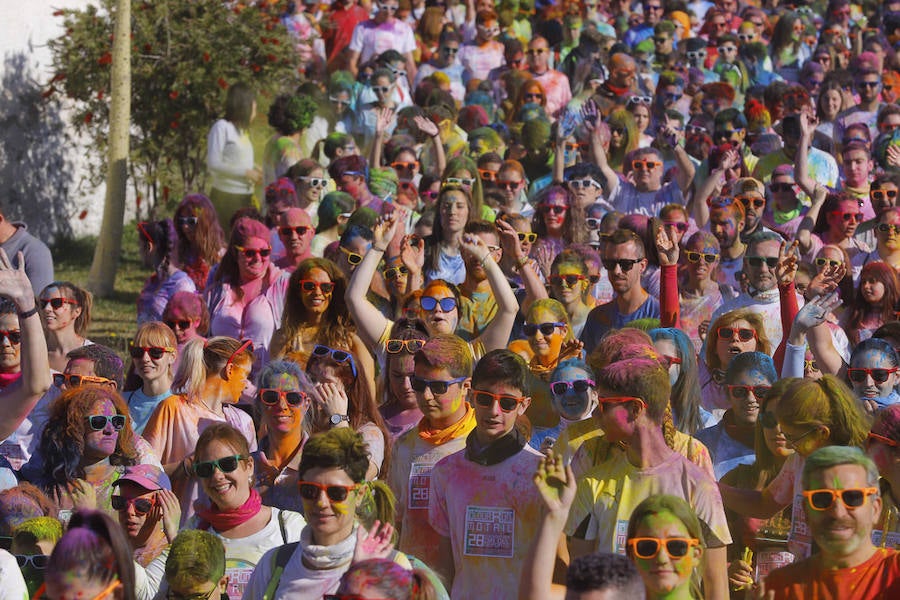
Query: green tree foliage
185	54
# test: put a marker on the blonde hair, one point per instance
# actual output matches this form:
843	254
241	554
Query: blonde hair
727	320
200	359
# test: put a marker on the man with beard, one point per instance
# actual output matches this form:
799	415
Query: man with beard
625	261
843	506
726	221
751	193
763	251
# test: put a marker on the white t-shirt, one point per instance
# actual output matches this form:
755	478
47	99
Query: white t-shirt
371	39
229	156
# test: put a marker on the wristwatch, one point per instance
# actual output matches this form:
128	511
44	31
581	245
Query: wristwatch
337	419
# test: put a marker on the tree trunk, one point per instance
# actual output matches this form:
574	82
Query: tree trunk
102	277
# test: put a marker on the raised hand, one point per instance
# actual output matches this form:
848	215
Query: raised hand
266	472
571	349
474	246
827	280
807	125
666	247
383	119
740	575
384	230
83	495
426	126
332	398
556	484
816	310
787	265
167	510
374	543
14	282
412	253
509	239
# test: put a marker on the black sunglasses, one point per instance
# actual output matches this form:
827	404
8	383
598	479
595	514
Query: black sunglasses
301	230
14	337
98	422
226	464
187	221
180	324
625	264
580	386
531	329
757	261
438	387
141	505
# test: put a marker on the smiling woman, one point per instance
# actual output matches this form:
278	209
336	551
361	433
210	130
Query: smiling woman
153	353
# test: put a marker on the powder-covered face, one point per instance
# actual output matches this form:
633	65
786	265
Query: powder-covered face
546	347
400	369
437	320
492	423
283	416
99	445
843	532
664	574
726	349
725	227
328	519
440	408
176	316
668	348
869	388
573	405
746	410
253	266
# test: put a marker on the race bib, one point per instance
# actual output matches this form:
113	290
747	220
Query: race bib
490	531
419	484
769	560
800	539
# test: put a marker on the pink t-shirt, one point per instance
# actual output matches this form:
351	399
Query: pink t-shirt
371	39
173	430
412	461
556	86
479	60
491	515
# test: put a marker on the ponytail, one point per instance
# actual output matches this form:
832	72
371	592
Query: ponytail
202	358
377	504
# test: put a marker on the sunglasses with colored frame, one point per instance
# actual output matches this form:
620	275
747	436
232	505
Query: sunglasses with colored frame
338	356
810	365
622	400
509	185
14	337
254	252
830	262
272	396
463	181
649	547
141	506
352	257
849	217
487	175
742	334
679	226
858	374
310	490
639	164
430	303
396	346
56	303
527	237
155	352
38	561
851	497
300	230
410	165
226	464
438	387
667	361
882	195
486	399
72	380
99	422
694	129
577	184
187	221
567	280
531	329
395	272
317	182
747	201
626	264
742	392
874	437
632	100
179	324
310	285
579	386
695	257
430	195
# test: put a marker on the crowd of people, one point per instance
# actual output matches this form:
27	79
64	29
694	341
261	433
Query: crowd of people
573	299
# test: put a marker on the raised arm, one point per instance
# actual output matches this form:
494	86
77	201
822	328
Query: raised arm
801	159
599	140
383	119
668	251
534	288
557	486
431	129
18	400
784	273
804	231
712	186
496	334
370	323
685	173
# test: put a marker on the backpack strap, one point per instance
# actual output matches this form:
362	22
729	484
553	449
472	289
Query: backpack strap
282	526
279	561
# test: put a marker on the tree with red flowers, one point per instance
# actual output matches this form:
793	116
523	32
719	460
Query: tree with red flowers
184	56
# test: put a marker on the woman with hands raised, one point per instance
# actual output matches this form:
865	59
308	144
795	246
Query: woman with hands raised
440	301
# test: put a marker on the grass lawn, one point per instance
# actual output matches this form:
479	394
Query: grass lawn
114	319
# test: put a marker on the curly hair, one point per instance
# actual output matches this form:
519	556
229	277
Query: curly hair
337	328
290	114
209	238
727	320
62	442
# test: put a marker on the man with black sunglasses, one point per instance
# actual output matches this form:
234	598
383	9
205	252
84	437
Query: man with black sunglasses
483	504
843	506
752	194
445	61
764	251
624	259
441	380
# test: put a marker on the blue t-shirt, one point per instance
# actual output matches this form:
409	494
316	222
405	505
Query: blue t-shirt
725	451
141	406
607	316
